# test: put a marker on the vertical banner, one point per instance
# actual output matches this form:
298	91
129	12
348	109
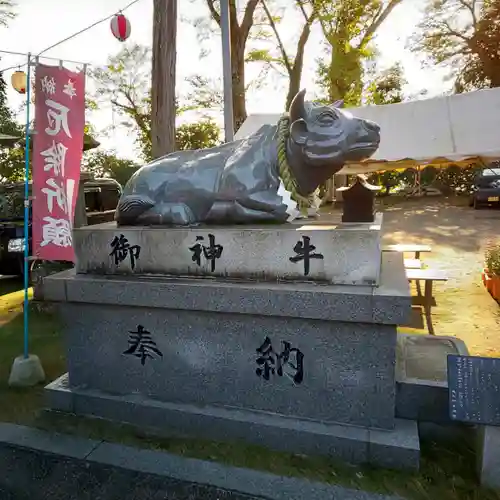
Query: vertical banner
57	156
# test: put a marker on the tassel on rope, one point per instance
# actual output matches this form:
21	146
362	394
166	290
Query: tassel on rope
286	175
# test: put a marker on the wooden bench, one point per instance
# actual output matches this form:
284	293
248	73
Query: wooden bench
415	249
428	276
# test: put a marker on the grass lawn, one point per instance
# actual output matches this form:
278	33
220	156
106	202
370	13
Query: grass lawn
447	473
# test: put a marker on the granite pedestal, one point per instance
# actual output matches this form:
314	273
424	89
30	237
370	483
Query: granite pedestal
342	254
307	367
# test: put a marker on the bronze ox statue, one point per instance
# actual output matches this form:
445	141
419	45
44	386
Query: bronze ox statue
238	182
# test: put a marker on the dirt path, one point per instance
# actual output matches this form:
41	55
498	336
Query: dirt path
459	236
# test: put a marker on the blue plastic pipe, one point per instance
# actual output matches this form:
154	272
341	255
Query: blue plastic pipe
27	208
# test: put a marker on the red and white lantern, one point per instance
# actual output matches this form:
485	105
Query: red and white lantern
120	27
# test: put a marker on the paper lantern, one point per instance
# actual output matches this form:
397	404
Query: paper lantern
19	81
120	27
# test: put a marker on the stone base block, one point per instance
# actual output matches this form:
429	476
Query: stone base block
342	254
394	449
488	456
421	376
322	353
26	372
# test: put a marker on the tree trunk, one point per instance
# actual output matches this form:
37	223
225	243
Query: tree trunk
293	85
238	78
163	77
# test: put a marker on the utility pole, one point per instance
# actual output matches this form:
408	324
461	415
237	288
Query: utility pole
225	25
163	77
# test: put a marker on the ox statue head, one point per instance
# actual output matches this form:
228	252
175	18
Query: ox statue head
323	138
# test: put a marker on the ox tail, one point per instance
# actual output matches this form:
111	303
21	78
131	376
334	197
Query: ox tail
132	206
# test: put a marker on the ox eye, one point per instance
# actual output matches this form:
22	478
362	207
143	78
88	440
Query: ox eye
327	117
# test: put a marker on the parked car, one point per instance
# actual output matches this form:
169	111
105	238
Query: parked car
486	188
100	195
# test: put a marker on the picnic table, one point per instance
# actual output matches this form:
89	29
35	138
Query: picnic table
409	248
428	276
415	272
413	264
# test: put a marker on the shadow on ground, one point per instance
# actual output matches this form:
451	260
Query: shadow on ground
441	222
36	476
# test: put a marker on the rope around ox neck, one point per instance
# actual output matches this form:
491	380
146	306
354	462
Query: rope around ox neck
303	202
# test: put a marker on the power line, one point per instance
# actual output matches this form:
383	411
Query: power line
65	40
26	55
87	28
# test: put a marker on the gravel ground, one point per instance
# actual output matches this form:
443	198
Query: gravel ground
458	236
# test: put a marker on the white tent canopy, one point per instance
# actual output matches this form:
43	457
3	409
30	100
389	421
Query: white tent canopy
438	130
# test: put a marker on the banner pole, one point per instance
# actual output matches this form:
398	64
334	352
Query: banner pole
27	209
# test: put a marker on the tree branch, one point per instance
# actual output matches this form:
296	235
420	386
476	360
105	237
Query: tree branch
141	119
471	7
453	32
378	20
304	37
281	45
300	3
213	11
233	17
247	22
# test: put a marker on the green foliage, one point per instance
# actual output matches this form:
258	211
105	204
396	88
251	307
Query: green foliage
107	164
492	260
204	93
429	174
457	180
125	82
11	154
451	180
278	56
388	179
6	12
348	27
463	35
387	87
197	135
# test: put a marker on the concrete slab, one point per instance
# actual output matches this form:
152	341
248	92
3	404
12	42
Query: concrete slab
36	439
399	449
115	471
424	357
298	300
392	298
260	484
26	372
351	444
421	377
488	456
345	254
58	395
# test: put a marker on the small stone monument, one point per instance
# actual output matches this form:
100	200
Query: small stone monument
359	201
193	315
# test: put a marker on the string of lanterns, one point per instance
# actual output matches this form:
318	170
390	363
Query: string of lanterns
120	29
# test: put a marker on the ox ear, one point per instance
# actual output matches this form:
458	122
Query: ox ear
297	108
298	132
338	104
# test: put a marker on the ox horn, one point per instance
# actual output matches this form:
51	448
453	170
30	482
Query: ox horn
297	108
